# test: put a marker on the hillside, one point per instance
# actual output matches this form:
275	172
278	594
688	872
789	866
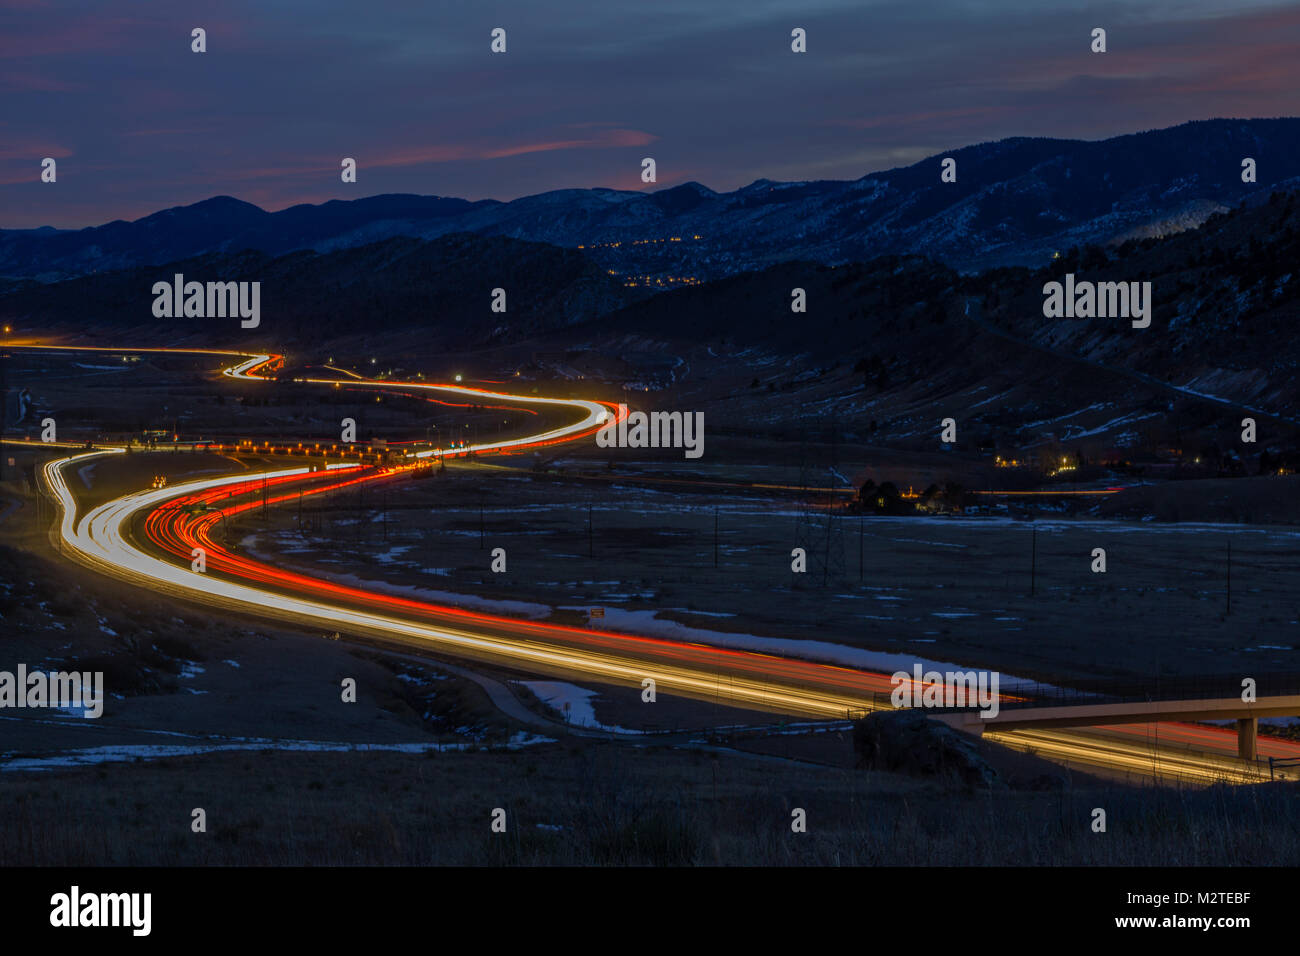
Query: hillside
440	289
887	347
1015	201
1226	301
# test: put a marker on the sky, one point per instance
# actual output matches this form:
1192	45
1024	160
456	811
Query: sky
586	89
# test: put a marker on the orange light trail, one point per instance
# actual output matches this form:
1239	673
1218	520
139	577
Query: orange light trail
174	520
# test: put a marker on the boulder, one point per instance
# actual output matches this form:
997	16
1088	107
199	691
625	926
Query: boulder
907	741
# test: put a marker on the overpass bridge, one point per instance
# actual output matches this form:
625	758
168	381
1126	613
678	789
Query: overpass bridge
1097	703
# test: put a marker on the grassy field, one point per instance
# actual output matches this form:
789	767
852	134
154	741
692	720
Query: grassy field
996	592
608	804
708	563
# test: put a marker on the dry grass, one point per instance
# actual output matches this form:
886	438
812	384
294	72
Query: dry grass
607	805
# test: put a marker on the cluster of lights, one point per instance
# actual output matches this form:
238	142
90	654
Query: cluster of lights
633	282
633	242
1065	465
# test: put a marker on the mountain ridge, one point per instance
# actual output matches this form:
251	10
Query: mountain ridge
1015	201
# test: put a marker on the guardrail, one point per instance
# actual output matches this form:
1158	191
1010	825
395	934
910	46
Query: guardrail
1132	690
1274	762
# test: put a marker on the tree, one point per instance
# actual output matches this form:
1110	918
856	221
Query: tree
887	498
867	491
954	495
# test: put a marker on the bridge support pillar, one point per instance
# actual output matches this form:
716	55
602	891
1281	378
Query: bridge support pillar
1247	728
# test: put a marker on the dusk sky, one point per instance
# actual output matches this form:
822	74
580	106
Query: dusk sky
137	122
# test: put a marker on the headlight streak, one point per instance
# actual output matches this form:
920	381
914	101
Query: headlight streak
100	540
706	672
177	530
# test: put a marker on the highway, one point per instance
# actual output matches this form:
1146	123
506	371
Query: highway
101	539
148	538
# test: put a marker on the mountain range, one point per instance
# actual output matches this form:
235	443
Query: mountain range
1014	202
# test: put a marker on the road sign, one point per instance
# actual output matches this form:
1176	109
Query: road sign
597	612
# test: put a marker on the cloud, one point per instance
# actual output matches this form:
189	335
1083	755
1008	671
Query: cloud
712	91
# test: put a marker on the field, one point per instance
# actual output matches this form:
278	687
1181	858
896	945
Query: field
587	774
990	591
609	804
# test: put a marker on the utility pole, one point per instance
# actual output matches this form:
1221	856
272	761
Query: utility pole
826	561
715	536
591	534
1228	610
1033	564
4	398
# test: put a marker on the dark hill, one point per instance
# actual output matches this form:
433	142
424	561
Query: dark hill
1015	201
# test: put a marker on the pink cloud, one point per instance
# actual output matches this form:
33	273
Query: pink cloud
894	120
26	82
33	150
75	35
416	155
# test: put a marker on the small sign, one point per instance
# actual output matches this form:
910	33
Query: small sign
597	612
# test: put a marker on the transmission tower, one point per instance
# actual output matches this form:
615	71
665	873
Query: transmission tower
818	520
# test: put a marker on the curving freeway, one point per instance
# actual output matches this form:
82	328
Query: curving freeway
150	538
